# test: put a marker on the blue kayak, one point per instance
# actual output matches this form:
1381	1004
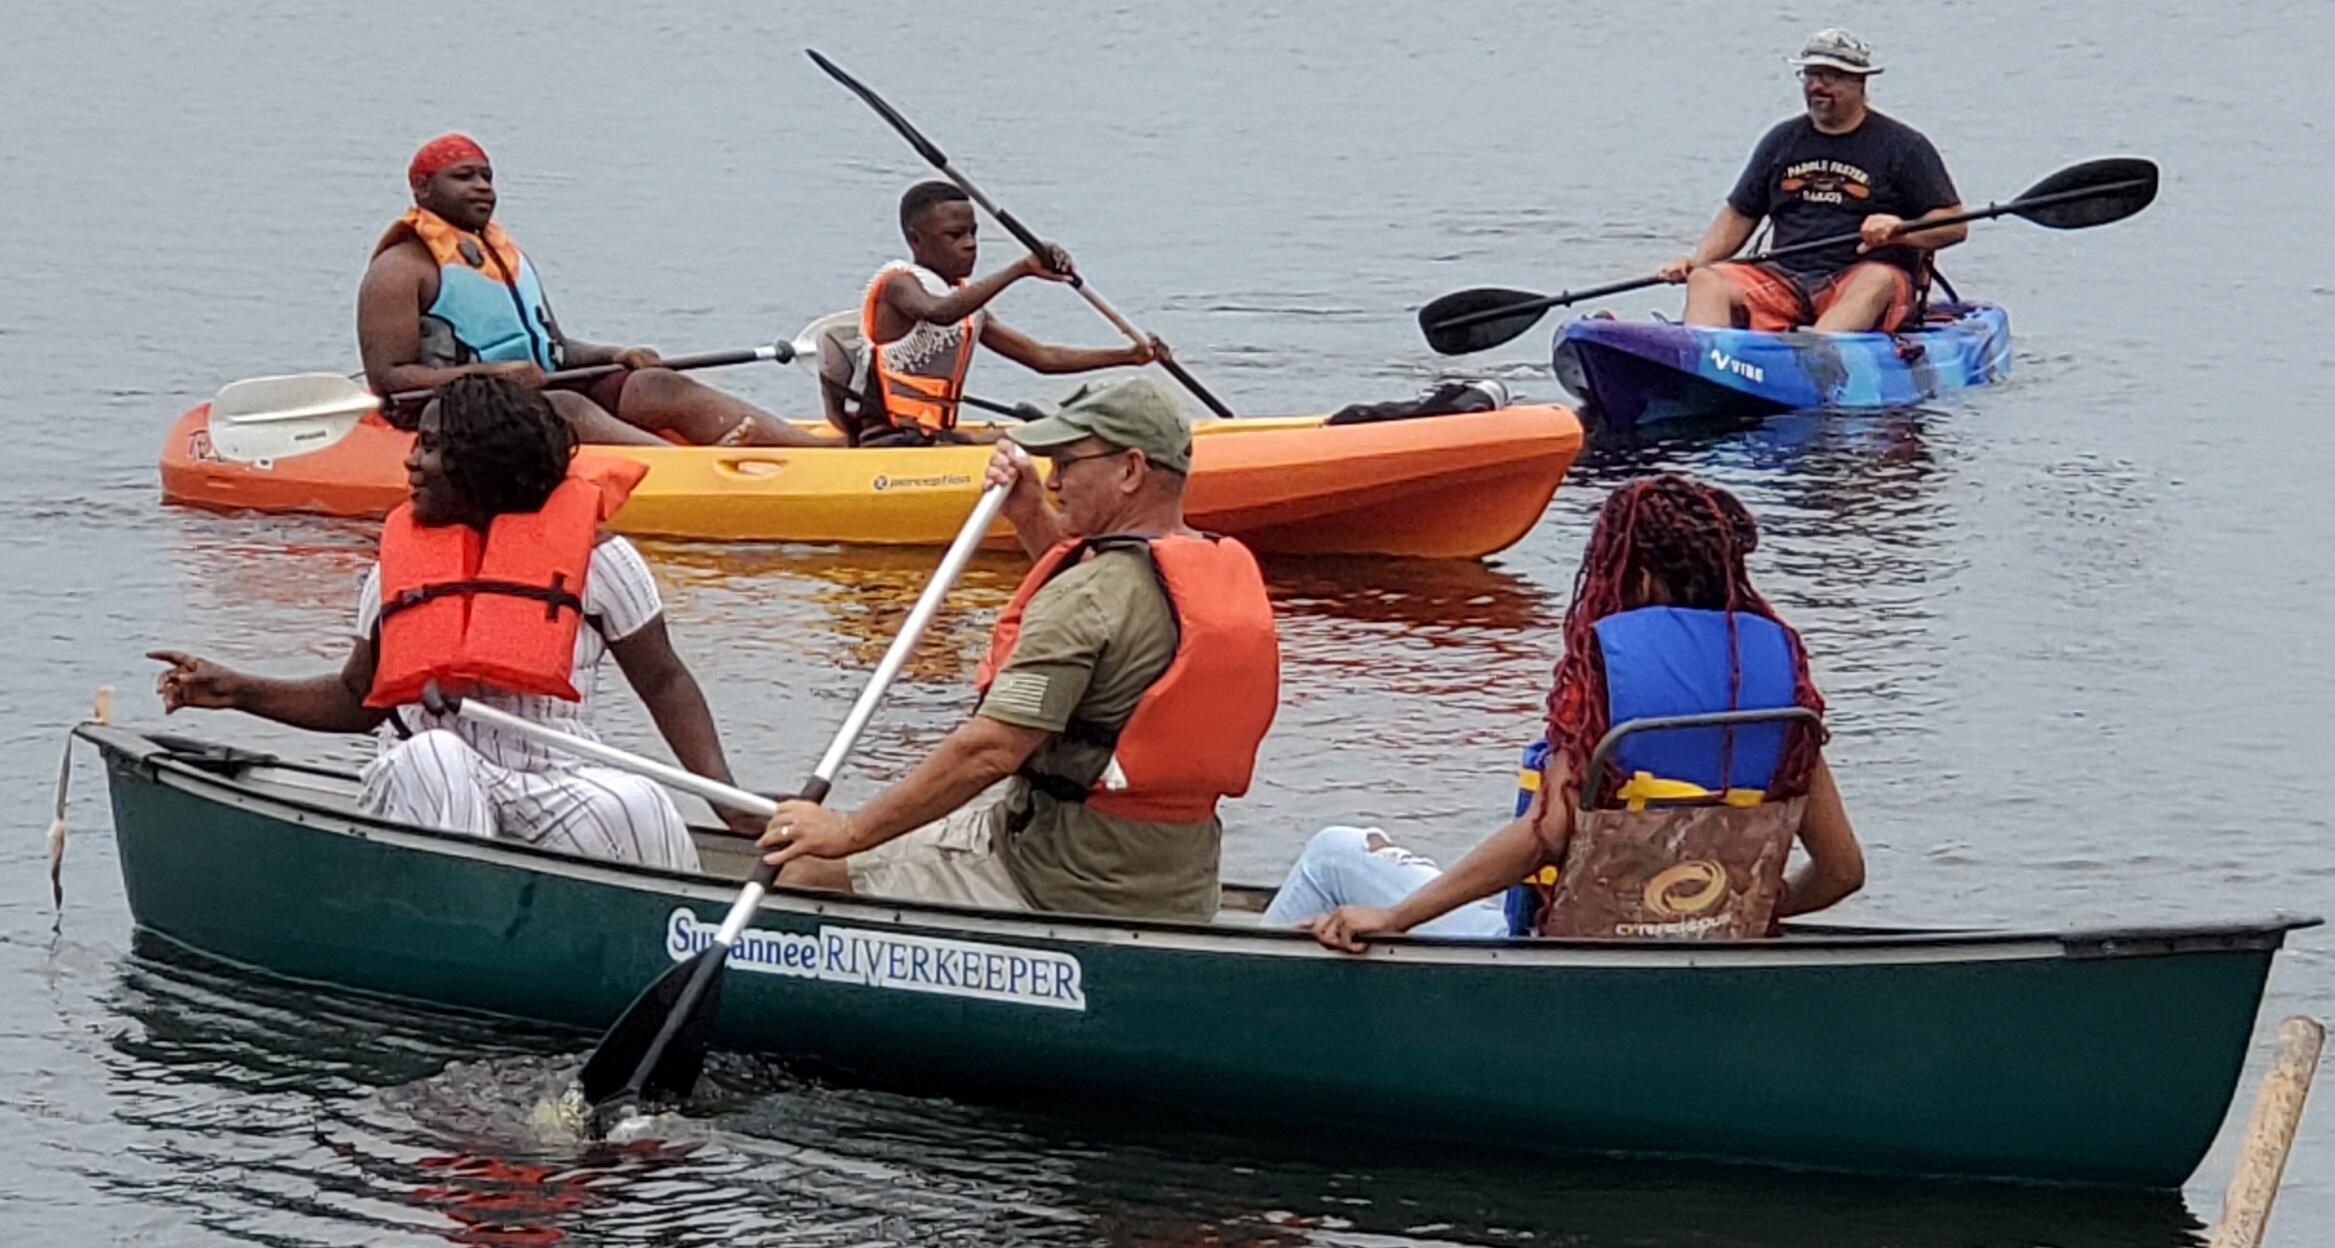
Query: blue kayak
1636	372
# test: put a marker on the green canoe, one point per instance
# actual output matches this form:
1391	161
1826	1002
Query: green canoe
2098	1057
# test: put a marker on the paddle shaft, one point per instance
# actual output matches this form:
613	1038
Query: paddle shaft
960	552
780	352
939	160
1911	227
992	405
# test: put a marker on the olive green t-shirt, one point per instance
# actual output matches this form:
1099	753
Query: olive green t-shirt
1092	640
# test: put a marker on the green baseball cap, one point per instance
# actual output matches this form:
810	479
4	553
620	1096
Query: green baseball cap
1134	415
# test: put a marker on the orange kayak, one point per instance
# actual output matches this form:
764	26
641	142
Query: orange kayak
1458	486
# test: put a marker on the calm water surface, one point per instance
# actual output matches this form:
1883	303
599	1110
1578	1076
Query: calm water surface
2071	627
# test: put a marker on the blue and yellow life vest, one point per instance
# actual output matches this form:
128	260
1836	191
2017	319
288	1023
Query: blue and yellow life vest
490	305
1674	661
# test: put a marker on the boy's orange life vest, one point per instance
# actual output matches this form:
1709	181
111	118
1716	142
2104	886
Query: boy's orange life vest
1193	737
497	609
921	376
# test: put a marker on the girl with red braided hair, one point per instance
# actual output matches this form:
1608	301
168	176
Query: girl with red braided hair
1664	621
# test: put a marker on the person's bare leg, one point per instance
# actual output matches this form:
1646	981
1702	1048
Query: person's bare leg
1862	300
661	400
1711	299
592	423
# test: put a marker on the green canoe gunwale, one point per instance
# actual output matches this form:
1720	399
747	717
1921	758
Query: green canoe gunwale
1976	1053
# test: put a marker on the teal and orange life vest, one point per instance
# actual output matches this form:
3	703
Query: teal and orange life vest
495	610
490	305
920	375
1193	736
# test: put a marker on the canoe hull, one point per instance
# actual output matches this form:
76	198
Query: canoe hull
1630	373
1459	486
2028	1058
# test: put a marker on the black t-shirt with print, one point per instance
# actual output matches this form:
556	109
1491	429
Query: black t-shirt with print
1815	184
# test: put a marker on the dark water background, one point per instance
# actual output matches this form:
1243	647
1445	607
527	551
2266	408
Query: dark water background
2072	628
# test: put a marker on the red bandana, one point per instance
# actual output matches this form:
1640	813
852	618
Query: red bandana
440	152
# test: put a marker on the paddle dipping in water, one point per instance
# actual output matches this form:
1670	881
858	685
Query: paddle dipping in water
1107	667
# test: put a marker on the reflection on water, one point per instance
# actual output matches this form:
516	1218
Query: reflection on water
1408	688
261	1105
2070	626
1857	515
857	596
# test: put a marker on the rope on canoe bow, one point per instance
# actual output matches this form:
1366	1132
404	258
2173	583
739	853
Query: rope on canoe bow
100	713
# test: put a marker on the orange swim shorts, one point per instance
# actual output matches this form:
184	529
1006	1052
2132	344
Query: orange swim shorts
1777	301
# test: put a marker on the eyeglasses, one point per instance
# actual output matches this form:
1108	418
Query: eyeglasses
1061	462
1819	74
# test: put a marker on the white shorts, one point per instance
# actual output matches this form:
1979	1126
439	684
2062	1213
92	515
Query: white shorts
953	861
436	780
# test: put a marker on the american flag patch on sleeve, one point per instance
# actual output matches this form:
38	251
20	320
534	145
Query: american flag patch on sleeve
1018	693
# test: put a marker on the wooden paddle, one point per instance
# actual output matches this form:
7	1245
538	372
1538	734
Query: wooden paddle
656	1049
2080	196
939	160
271	418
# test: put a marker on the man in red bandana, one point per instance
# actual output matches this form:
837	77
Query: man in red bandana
448	294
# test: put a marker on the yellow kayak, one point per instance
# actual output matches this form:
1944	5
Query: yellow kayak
1459	486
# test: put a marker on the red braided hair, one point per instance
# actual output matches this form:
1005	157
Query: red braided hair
1692	539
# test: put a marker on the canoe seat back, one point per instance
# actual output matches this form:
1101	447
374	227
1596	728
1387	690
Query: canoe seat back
1668	859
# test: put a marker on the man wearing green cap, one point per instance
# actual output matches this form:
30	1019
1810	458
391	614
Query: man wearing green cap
1840	168
1127	686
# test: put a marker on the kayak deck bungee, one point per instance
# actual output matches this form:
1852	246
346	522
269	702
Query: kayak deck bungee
2021	1055
1455	486
1629	373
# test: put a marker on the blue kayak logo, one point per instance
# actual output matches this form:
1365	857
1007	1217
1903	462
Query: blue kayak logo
1726	363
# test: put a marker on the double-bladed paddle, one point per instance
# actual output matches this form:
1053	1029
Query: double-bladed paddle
655	1050
270	418
939	160
2080	196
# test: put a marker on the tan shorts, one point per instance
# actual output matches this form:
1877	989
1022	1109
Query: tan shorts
951	861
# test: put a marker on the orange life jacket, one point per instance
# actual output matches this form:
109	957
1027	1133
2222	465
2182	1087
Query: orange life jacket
921	374
1194	734
497	609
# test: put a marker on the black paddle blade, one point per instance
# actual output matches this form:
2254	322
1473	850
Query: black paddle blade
1446	338
2095	192
657	1047
924	147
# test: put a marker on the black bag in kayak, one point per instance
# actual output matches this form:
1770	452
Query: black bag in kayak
1448	398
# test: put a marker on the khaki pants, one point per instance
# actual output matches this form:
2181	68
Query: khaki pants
952	862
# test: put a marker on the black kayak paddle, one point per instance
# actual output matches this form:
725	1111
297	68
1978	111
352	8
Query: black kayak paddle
2078	197
939	160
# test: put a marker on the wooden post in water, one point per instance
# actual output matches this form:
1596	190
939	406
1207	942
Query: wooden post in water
2278	1110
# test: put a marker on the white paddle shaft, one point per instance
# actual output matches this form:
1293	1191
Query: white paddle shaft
624	760
952	564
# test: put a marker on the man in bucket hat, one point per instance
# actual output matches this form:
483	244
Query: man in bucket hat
1127	685
1839	168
